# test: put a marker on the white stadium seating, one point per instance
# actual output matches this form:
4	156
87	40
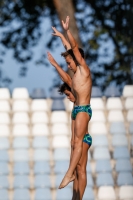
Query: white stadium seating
35	145
114	103
20	106
20	93
4	94
5	106
128	91
97	104
39	117
39	105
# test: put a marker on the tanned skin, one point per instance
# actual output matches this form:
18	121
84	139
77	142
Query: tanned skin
81	85
80	180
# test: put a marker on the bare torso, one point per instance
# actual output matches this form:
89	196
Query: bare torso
81	86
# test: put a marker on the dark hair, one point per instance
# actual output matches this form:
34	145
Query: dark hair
64	87
70	52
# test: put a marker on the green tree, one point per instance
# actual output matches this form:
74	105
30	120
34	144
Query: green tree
111	21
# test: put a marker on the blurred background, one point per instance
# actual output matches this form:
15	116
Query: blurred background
102	28
35	120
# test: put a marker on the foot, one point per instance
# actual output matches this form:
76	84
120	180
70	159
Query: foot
66	180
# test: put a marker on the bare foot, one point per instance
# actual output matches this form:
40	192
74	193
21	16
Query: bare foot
66	180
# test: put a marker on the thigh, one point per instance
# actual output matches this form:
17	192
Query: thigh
72	130
84	157
81	125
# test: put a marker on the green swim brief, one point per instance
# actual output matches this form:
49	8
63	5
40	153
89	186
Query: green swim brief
88	139
84	108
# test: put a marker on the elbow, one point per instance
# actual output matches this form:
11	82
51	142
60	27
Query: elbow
74	46
63	79
68	82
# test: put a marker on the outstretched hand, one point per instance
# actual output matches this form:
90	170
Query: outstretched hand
66	23
56	33
51	59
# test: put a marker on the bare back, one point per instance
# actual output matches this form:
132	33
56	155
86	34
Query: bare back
82	85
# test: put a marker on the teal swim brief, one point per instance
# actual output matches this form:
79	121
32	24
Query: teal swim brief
84	108
88	139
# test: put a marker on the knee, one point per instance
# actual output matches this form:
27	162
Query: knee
81	170
72	144
77	143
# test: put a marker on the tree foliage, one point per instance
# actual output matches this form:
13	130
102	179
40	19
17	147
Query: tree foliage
109	20
105	29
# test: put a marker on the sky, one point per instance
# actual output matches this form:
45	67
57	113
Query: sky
41	76
37	76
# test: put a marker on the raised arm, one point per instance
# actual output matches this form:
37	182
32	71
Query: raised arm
64	76
73	43
63	39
